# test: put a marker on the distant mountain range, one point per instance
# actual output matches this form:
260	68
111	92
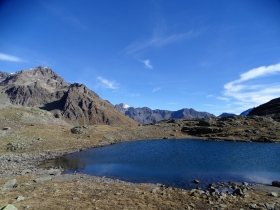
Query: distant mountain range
227	114
41	87
245	113
146	115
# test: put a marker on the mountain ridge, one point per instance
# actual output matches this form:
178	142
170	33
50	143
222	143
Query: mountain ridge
145	115
271	109
41	87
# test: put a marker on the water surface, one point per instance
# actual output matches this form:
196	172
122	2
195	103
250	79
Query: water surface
178	162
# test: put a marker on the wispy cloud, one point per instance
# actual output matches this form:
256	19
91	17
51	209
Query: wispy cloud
6	57
248	94
208	104
147	64
222	98
171	103
64	15
156	89
166	82
159	41
108	84
130	94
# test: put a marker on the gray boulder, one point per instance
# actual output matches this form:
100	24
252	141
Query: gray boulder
238	191
207	122
8	207
42	179
26	171
78	130
9	184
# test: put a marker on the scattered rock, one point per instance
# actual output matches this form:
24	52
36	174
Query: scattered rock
206	122
78	130
253	206
20	198
26	171
9	184
108	137
8	207
274	194
239	192
6	128
269	206
13	147
196	181
42	179
154	189
223	205
53	171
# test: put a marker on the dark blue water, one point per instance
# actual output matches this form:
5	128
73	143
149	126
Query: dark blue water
179	162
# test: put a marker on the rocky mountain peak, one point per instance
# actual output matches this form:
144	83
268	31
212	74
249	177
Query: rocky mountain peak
81	88
3	76
35	76
42	87
122	107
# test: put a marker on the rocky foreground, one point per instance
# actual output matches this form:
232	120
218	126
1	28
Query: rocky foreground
30	136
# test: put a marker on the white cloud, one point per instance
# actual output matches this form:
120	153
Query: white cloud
6	57
258	72
156	89
147	64
223	98
247	94
108	84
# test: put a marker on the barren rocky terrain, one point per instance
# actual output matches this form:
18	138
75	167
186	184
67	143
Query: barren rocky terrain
30	136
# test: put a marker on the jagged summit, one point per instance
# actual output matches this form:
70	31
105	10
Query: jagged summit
38	75
42	87
122	107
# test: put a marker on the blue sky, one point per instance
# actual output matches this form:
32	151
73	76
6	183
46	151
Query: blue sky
215	56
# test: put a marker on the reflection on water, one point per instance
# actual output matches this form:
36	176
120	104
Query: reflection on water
179	162
69	164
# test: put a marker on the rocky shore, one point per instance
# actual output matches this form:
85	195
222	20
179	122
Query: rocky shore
31	136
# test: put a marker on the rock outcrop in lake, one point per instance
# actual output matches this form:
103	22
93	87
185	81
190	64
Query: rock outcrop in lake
42	87
146	115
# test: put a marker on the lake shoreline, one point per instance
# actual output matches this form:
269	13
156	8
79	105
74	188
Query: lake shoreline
36	162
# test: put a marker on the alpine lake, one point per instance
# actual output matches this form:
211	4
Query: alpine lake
178	162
